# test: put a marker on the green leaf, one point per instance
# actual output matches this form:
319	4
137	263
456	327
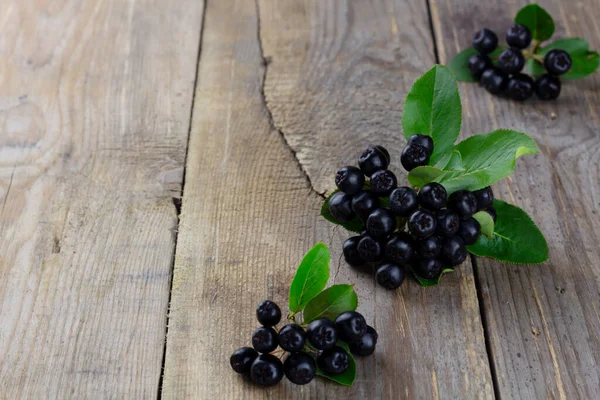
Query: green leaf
433	108
539	22
535	68
432	282
331	302
349	376
355	225
487	223
486	160
452	161
517	239
585	62
459	64
311	277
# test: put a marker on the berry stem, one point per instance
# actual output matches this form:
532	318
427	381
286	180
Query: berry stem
537	58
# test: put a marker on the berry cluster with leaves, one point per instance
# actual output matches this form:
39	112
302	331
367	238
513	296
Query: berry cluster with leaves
498	68
449	208
323	332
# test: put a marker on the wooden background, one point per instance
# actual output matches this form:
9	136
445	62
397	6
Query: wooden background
162	166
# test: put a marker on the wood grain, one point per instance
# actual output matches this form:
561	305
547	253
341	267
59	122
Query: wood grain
542	320
336	72
94	117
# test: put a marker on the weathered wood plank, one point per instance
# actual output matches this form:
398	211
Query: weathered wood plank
94	116
336	76
542	320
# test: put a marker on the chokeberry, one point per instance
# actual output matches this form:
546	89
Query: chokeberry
268	313
423	141
429	247
557	62
372	160
485	198
383	182
511	60
300	368
363	204
399	248
370	249
390	276
384	151
351	326
494	80
492	212
448	223
520	87
241	360
547	87
366	345
381	223
429	268
485	41
350	250
469	231
292	338
454	251
340	207
349	179
422	224
414	156
322	334
518	36
432	196
403	201
333	361
265	339
477	64
266	370
463	202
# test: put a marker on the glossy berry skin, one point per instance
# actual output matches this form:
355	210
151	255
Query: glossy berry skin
268	313
381	223
432	196
340	207
292	338
477	64
518	36
366	345
547	87
430	247
351	326
454	251
492	212
448	223
429	269
266	370
384	151
390	276
322	334
363	204
414	156
349	180
383	182
300	368
485	41
372	160
370	249
485	198
557	62
399	248
520	87
423	141
350	250
422	224
403	201
463	203
333	361
511	60
241	360
494	80
265	339
469	231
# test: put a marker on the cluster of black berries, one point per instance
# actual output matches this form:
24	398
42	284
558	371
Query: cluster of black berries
506	76
439	227
266	369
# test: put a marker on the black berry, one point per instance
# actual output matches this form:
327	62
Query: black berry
322	334
520	87
381	223
492	212
432	196
268	313
494	80
350	250
423	141
292	338
547	87
333	361
429	269
463	202
383	182
478	63
370	249
403	201
384	151
485	41
399	248
422	224
349	180
265	339
414	156
430	247
454	251
351	326
340	207
448	223
390	276
557	62
266	370
241	360
485	198
372	160
300	368
511	60
518	36
469	231
363	204
366	345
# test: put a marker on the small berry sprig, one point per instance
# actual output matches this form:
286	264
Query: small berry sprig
498	68
323	344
